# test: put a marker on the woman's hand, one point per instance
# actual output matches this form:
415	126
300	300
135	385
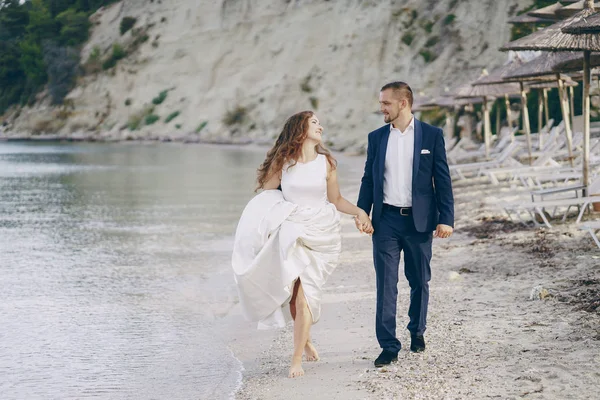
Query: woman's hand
363	223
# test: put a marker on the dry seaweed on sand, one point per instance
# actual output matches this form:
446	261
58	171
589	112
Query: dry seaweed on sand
490	227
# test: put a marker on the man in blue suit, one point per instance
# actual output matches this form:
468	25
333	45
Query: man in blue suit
407	185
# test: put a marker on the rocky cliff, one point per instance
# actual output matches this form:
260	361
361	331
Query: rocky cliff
232	70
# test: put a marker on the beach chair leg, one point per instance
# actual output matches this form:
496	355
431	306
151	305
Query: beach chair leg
523	181
595	237
493	178
564	218
541	212
526	222
509	215
532	216
582	210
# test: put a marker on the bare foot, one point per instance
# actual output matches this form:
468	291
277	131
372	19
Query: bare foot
310	352
296	368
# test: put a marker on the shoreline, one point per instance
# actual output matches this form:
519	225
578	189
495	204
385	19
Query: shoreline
99	138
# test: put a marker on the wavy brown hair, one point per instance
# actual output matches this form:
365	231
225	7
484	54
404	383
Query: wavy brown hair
288	147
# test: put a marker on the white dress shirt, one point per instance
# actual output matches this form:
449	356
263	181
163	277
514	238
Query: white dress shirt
397	177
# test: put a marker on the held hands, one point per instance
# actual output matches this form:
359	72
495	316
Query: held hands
443	231
363	223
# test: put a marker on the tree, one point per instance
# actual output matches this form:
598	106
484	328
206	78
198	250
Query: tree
41	25
75	27
13	20
32	63
62	64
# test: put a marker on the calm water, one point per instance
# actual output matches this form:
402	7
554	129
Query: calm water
115	269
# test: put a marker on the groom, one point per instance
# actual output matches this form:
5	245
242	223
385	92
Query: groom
407	184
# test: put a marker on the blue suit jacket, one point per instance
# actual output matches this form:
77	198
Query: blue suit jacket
432	199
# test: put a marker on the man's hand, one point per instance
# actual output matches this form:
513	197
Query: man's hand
363	223
443	231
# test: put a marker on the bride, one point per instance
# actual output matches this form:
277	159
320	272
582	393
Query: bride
288	241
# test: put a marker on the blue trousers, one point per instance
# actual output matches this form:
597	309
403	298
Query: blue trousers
396	234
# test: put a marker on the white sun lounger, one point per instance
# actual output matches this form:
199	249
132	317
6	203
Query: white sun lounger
593	227
538	207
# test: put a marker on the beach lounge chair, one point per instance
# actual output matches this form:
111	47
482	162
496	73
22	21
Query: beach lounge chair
502	159
534	209
593	227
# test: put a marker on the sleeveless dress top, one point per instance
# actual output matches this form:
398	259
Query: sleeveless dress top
283	236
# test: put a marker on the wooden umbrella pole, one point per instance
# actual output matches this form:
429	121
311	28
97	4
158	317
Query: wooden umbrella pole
509	118
469	121
565	115
487	126
586	120
526	126
498	127
546	110
540	117
449	124
572	104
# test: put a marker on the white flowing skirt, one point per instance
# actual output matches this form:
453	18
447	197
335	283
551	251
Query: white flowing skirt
277	242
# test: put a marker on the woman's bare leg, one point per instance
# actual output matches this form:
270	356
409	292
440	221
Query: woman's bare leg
309	350
302	324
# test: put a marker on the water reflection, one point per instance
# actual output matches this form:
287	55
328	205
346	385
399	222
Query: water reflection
114	263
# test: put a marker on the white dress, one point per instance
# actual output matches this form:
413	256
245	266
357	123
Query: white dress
282	236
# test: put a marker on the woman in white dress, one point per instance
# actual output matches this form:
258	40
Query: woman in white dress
288	242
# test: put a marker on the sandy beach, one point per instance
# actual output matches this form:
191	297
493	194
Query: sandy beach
486	338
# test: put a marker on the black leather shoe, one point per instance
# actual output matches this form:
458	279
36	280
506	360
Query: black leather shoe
417	343
386	358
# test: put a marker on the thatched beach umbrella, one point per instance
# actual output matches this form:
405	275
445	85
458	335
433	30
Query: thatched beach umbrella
592	31
548	12
542	69
543	88
572	9
589	24
495	78
486	91
525	19
553	39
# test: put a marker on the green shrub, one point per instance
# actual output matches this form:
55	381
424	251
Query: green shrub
160	98
126	24
118	53
432	41
151	118
449	19
427	55
314	102
305	85
235	116
201	126
171	116
178	126
94	54
407	38
134	122
127	102
427	25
